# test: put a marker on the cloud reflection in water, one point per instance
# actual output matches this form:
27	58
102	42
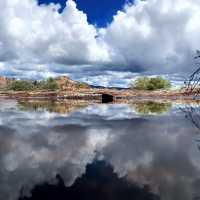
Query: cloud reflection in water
158	150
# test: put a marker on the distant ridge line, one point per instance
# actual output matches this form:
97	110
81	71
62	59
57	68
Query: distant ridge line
118	88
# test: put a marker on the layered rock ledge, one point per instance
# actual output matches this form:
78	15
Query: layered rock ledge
97	94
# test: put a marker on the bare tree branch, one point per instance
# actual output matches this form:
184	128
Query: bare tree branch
193	81
192	115
197	54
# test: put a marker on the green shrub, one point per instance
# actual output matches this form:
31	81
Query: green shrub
80	85
25	85
146	83
47	84
50	83
151	86
40	84
140	83
20	85
159	83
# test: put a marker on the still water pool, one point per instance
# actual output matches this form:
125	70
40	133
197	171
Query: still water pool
88	151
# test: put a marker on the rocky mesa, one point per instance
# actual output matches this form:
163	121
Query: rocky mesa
66	83
4	81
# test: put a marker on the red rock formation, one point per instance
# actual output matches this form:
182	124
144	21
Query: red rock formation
68	87
3	82
68	84
8	80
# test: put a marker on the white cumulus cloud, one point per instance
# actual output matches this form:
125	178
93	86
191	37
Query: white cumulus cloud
152	37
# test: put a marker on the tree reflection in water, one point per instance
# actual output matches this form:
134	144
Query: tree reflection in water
193	115
192	88
62	107
151	107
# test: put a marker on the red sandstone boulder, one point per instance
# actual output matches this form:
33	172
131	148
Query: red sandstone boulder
3	82
68	84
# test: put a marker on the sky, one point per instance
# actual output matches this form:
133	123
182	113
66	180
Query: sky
100	42
99	12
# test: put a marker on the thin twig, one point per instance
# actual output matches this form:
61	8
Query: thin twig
193	80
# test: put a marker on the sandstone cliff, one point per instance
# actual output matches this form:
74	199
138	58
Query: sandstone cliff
3	81
67	83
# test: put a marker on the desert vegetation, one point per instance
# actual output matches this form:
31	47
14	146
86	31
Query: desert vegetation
27	85
61	82
146	83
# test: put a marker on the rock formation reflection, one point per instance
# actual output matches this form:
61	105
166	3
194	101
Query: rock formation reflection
157	151
61	107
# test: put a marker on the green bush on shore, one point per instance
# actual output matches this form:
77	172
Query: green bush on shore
26	85
48	84
80	85
20	85
146	83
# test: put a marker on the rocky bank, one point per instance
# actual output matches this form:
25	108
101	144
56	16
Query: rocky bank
70	89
